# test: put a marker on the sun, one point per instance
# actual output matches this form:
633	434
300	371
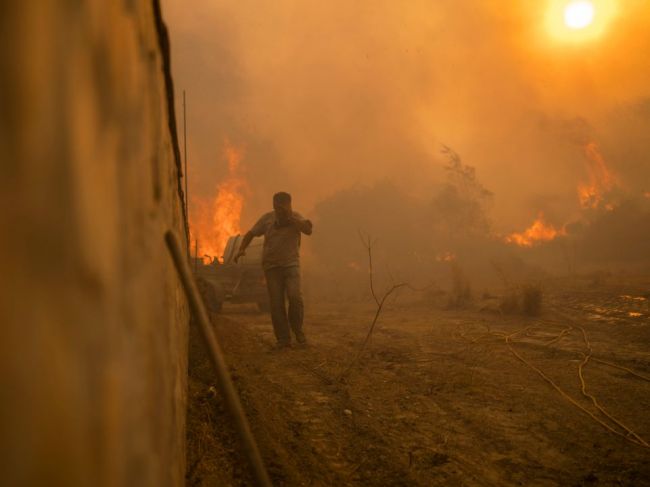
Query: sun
579	14
579	21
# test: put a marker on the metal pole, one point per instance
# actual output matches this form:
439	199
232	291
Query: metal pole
196	255
224	381
187	201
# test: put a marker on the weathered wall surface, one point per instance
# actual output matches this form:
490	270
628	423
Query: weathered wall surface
93	320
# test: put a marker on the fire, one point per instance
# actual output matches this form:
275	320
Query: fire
213	221
594	194
601	180
538	232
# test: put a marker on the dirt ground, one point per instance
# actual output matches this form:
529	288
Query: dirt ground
439	397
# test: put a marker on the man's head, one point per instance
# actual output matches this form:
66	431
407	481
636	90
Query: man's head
282	205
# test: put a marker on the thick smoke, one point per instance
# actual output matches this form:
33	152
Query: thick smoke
346	104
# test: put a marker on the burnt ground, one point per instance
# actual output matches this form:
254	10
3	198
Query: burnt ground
438	397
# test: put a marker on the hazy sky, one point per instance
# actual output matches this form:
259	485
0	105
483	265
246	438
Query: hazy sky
321	96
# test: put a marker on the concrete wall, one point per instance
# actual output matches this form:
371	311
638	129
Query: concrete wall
93	322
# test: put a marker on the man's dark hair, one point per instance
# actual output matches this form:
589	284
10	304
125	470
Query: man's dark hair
281	198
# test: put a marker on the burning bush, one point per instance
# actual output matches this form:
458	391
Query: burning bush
539	232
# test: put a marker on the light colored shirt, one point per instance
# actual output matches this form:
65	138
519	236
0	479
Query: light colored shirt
281	242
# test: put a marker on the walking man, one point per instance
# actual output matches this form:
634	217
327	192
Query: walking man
281	262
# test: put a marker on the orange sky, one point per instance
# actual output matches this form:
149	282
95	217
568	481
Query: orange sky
326	95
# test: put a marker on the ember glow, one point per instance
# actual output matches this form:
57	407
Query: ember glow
601	180
537	233
213	221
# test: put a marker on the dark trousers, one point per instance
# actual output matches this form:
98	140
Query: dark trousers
281	282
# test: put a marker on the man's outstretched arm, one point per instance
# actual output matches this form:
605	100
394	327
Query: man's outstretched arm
256	231
244	244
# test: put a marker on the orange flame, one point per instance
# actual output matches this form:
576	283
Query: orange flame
212	222
538	232
601	180
592	195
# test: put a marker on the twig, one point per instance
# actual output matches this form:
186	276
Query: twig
367	241
318	374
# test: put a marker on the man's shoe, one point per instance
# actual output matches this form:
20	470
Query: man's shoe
282	346
301	339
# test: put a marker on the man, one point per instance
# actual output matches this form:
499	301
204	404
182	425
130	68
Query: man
281	262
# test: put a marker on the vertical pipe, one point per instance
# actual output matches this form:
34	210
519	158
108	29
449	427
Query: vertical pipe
196	255
187	200
224	382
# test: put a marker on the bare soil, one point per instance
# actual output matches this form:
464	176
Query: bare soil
438	397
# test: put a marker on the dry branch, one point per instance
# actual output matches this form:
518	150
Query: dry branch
368	243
